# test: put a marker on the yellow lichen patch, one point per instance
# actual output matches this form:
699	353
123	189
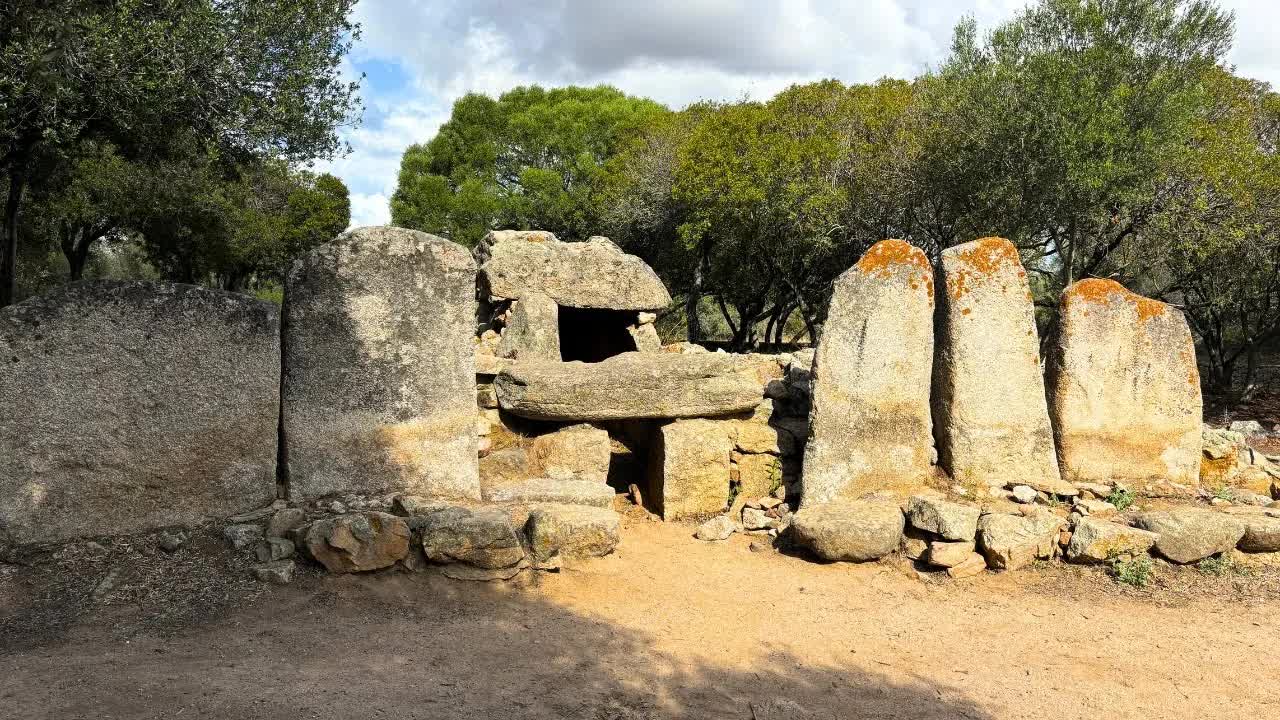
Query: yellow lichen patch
887	256
1100	290
991	254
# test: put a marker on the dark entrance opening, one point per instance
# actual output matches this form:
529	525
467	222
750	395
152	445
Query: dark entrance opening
592	335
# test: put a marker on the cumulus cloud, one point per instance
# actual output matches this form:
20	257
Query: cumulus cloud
675	51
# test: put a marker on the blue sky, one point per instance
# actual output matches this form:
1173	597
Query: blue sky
418	56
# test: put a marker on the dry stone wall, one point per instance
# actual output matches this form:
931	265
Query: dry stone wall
128	406
379	379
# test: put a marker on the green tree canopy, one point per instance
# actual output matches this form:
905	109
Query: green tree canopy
533	158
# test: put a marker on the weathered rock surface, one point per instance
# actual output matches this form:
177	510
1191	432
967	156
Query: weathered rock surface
972	565
533	330
578	452
1010	542
358	542
242	535
1261	534
758	474
572	531
989	401
591	274
278	572
1124	389
1188	534
632	385
379	370
130	406
856	531
284	520
948	520
483	537
1095	540
271	549
646	338
949	554
717	528
870	424
689	468
551	490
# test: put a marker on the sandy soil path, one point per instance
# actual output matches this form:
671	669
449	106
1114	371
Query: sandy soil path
668	627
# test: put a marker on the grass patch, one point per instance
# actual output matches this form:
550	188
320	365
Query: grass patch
1221	566
1134	572
1122	498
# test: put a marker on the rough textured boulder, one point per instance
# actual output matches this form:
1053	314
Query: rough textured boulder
572	531
578	452
689	468
989	403
1189	534
565	492
357	542
948	520
632	385
1124	390
483	537
533	330
1261	534
757	474
856	531
129	406
379	370
591	274
720	527
1010	542
1094	540
870	425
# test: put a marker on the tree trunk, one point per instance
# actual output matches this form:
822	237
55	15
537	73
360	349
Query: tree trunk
694	297
1250	373
9	240
75	246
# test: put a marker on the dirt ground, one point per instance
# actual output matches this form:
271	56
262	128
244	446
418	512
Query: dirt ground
667	627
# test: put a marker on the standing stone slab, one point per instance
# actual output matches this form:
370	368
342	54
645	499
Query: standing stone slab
870	426
1124	390
129	406
379	372
591	274
689	466
533	330
989	404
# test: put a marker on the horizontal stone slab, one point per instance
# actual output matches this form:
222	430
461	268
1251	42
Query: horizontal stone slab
636	386
591	274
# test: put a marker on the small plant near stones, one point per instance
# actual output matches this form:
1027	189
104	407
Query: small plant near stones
1122	498
1224	492
1221	565
775	476
1132	571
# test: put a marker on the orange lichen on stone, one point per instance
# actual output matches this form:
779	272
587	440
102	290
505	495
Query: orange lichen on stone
988	256
1099	290
887	256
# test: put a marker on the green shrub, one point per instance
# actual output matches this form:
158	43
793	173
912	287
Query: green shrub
1135	572
1122	498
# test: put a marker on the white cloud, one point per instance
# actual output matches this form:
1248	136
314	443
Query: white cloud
675	51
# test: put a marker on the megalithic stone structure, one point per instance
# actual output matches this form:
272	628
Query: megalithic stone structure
379	368
989	404
1124	389
870	427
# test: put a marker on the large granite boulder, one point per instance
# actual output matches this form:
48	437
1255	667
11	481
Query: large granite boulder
855	531
358	542
689	467
633	386
989	404
533	329
571	531
129	406
482	537
1124	390
379	371
1187	535
1011	541
591	274
1261	533
870	425
1094	540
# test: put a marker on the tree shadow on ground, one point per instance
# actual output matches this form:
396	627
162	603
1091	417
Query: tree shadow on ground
421	646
